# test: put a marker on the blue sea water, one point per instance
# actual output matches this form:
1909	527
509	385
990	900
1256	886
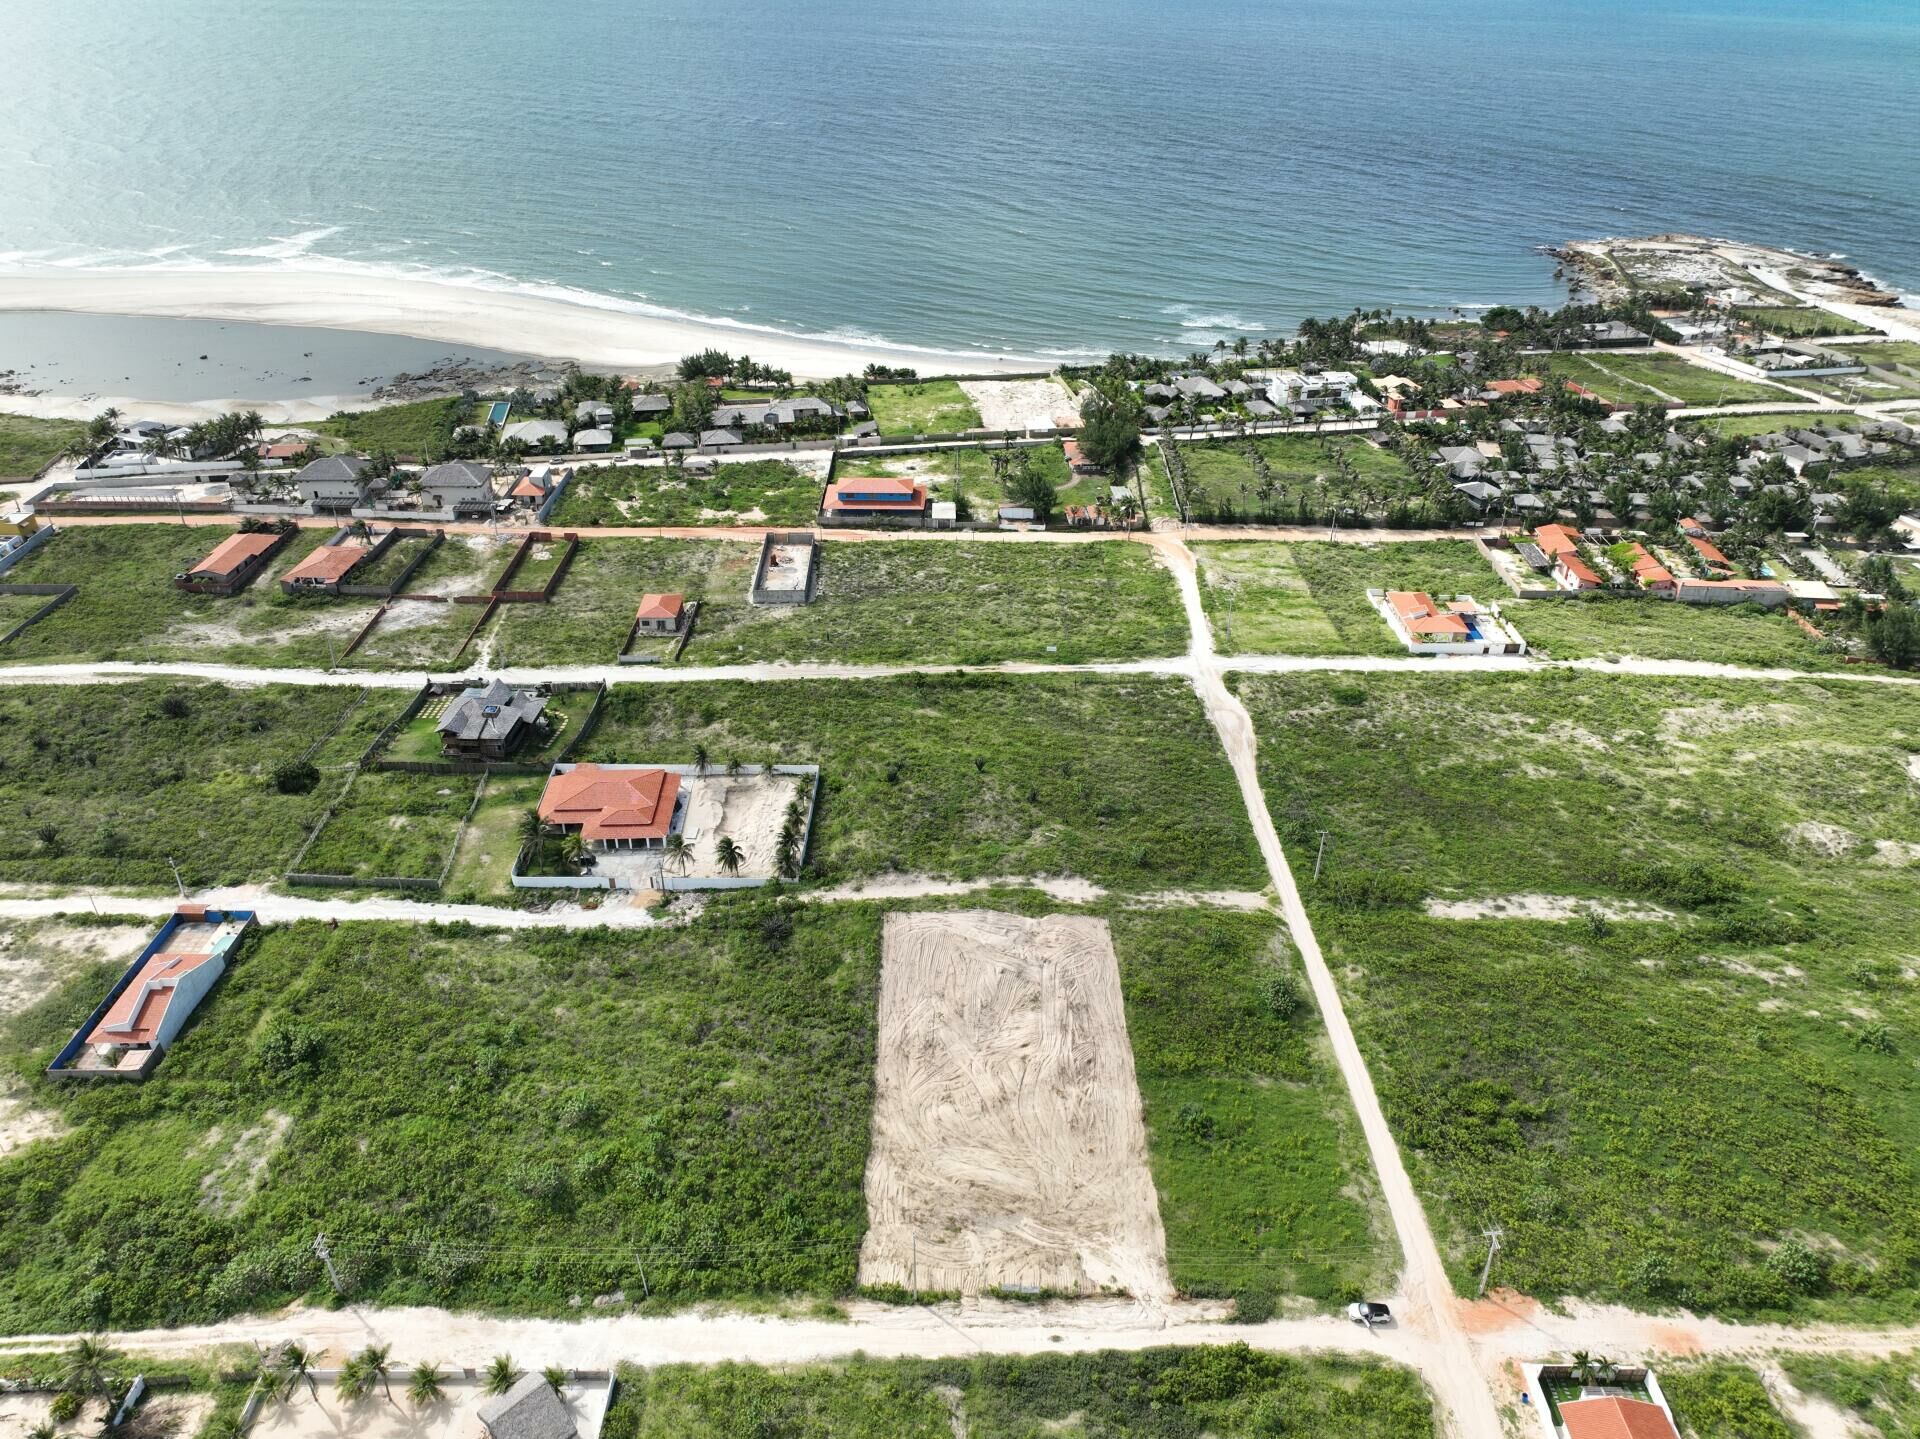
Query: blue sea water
1011	175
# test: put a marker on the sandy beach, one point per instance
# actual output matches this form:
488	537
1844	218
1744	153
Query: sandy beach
611	337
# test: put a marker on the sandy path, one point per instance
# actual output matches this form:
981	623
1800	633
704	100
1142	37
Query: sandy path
1009	1148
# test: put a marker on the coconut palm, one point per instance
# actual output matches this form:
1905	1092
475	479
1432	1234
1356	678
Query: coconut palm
501	1375
728	854
87	1367
733	766
293	1368
555	1376
377	1363
531	828
701	758
353	1383
677	853
574	853
424	1389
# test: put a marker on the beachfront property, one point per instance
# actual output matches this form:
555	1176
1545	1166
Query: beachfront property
1460	626
462	486
546	435
336	483
491	721
233	563
593	414
876	499
531	1409
1609	335
797	411
130	1030
650	406
1303	395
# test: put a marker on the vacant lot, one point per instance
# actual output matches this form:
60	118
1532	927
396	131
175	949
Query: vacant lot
1881	1395
1573	628
1224	481
418	431
1311	598
1722	1400
99	784
754	492
1264	1182
27	444
392	826
1741	425
1638	378
1716	1110
1229	1393
484	862
1006	1127
695	1099
878	602
929	407
1802	321
975	478
1118	779
1885	352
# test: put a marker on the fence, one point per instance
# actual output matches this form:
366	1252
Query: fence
431	690
759	594
27	545
434	538
552	499
60	593
386	881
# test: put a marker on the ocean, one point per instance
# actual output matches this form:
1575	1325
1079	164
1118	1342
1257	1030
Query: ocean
1033	176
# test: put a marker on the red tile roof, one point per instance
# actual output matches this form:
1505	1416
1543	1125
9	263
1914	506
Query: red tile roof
232	553
1649	570
136	1016
1557	540
1616	1418
1419	614
1708	551
1579	569
612	803
1528	386
528	489
328	564
659	607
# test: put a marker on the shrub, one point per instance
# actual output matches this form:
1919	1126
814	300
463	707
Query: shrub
1283	996
295	777
286	1047
1799	1268
65	1407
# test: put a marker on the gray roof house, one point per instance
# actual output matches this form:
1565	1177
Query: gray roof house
711	438
588	442
459	484
678	440
650	406
489	721
1199	387
529	1410
1462	461
593	412
536	434
338	482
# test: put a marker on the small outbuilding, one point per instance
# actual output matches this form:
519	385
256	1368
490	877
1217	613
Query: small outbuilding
529	1410
660	615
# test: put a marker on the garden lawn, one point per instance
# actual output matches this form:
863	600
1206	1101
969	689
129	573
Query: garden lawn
1631	379
483	864
1230	1392
924	407
1718	1109
100	784
478	1120
1264	1182
1310	597
28	444
1223	485
770	492
877	602
390	825
419	430
1802	321
1118	779
1883	1395
1575	628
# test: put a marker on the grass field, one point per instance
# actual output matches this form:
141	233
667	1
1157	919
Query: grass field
1886	352
476	1119
1310	598
392	826
128	609
419	430
484	862
17	609
1222	483
1230	1392
734	492
1716	1110
882	601
1722	1400
1743	425
929	407
1662	630
971	470
1636	378
1802	321
26	444
99	784
1118	779
1881	1395
1265	1186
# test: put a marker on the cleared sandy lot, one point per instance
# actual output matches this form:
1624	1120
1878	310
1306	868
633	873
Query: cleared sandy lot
1021	404
1008	1144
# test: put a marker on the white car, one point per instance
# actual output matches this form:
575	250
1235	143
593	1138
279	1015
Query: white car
1370	1312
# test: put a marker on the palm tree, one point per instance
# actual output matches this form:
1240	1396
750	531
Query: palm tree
375	1360
729	854
701	758
353	1382
42	1431
733	766
574	853
531	828
423	1386
677	853
555	1376
294	1367
501	1375
87	1367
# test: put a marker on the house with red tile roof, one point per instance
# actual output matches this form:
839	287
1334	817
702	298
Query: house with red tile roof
232	564
1651	574
1709	553
660	615
1615	1416
877	497
614	806
1571	572
323	571
1458	627
1556	540
143	1014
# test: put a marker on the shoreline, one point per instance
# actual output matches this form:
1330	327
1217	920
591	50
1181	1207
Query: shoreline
446	313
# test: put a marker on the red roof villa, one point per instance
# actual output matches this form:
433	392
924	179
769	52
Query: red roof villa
233	562
874	497
614	806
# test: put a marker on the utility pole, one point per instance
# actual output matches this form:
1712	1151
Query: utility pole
1493	1247
179	883
325	1256
1319	855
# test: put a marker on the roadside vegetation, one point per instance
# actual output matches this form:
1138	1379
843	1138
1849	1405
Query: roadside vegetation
877	602
1880	1395
1229	1392
100	784
760	492
691	1101
1615	625
28	444
1116	779
1713	1105
1722	1400
419	430
1264	1182
1310	597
